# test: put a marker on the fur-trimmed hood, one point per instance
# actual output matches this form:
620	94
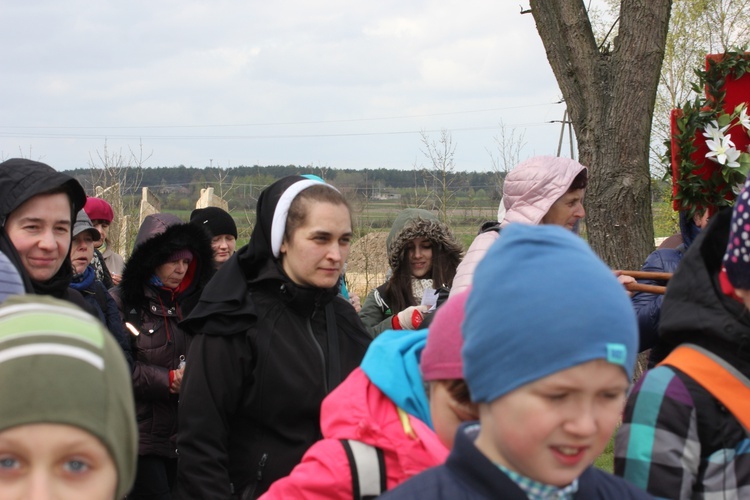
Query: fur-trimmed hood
416	222
160	236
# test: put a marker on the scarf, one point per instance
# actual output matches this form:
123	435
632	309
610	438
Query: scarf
84	280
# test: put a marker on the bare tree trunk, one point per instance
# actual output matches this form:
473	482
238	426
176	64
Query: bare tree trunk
610	98
441	154
117	179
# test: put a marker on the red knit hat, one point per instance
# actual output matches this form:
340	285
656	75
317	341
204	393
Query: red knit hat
98	209
441	357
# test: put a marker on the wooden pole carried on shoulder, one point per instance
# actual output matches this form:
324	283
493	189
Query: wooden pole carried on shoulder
646	275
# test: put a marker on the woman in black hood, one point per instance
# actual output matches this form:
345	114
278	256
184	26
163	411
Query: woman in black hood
271	339
161	282
38	206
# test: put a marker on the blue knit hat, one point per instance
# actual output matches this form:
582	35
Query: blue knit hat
542	302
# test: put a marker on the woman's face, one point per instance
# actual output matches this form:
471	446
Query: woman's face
103	227
82	251
315	254
567	210
42	461
419	251
40	230
223	246
172	273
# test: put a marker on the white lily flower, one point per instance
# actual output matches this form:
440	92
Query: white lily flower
745	119
732	157
723	151
713	132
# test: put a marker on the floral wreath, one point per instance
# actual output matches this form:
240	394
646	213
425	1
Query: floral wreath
709	150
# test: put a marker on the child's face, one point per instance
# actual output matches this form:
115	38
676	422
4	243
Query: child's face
552	429
447	413
54	461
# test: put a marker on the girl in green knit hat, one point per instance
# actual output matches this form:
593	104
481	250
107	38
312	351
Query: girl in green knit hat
67	418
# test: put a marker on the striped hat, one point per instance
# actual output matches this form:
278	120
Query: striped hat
10	281
58	366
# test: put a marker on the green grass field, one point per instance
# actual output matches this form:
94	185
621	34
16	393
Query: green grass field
606	461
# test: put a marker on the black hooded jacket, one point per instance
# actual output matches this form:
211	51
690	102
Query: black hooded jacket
21	180
690	419
696	311
155	312
264	355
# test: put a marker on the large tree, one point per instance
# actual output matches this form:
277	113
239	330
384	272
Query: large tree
610	90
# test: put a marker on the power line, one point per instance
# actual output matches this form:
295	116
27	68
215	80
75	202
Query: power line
313	122
256	137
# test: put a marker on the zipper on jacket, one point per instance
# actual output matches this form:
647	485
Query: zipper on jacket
322	355
261	466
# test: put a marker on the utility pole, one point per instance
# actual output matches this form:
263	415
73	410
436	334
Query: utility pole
566	122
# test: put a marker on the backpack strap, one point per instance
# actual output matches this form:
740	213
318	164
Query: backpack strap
367	465
718	377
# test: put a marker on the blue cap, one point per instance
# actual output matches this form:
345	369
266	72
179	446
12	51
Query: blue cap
542	302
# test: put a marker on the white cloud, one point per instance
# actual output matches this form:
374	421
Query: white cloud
362	71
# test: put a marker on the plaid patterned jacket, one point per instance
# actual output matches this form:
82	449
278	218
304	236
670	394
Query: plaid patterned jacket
678	441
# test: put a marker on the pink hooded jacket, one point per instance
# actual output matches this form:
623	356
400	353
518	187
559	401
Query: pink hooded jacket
358	410
529	191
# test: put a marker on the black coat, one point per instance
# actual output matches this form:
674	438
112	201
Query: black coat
696	311
105	307
264	355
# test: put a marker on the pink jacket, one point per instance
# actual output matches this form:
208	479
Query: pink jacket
465	270
529	191
358	410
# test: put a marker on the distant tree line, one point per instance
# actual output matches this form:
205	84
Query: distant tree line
178	187
384	177
242	184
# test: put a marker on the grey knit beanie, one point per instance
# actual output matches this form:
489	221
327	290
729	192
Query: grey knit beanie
59	366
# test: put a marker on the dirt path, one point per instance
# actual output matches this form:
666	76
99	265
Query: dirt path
367	263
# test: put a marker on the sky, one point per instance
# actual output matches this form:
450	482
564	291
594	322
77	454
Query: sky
225	83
